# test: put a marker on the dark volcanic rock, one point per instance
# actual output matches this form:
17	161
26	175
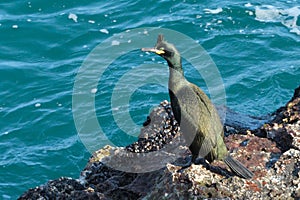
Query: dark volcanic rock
62	188
159	129
284	128
270	151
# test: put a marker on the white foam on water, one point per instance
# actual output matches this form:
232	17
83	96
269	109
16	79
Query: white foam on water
213	11
287	17
248	5
91	22
94	90
37	105
267	13
104	31
116	108
73	17
115	43
15	26
291	21
249	12
208	24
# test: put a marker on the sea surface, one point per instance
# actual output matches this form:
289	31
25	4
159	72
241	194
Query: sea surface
43	44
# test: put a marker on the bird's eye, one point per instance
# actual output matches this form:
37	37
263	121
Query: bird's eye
161	48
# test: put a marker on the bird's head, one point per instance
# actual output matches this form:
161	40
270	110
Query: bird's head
164	49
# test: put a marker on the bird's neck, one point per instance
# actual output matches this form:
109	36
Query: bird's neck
175	64
176	77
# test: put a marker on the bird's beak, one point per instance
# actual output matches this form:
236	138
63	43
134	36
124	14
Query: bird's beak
154	50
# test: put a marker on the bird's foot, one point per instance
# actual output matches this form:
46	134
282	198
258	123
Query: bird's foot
199	161
185	165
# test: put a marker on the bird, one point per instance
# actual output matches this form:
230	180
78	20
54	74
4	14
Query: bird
196	114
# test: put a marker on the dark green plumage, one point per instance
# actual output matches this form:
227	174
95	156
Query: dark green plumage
197	116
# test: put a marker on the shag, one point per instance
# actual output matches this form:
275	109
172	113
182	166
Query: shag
195	113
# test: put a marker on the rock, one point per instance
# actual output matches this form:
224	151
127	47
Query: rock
271	151
62	188
159	129
284	129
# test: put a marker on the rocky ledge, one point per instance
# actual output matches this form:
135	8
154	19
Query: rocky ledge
271	151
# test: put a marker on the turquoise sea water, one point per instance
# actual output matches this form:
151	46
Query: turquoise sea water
255	45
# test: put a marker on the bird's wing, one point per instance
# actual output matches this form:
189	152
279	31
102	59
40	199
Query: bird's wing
209	120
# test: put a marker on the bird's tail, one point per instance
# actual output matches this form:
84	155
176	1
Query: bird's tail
238	168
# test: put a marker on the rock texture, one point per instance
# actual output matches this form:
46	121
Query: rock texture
271	151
